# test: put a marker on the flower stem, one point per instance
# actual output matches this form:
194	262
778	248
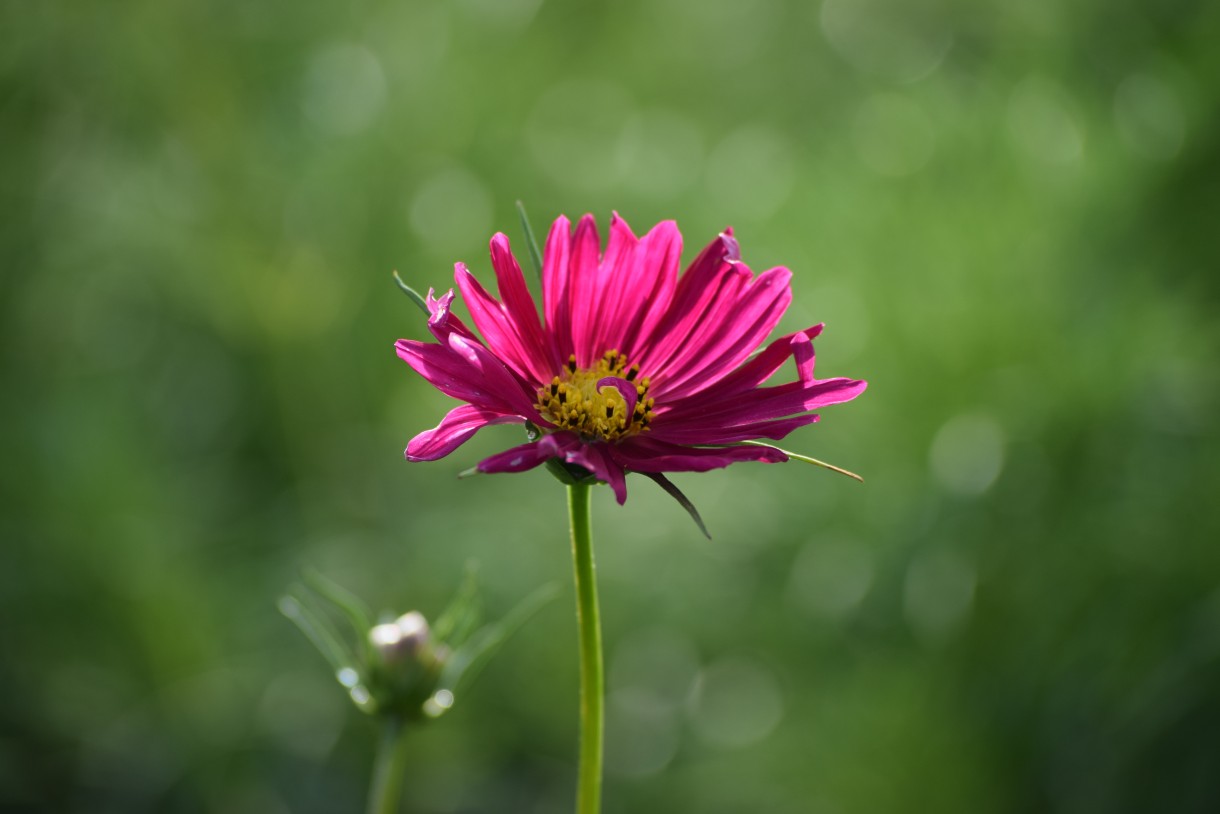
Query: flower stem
592	672
386	788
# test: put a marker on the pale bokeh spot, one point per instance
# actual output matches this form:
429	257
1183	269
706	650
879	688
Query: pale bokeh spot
1042	122
574	133
451	213
831	577
938	594
967	454
752	171
345	89
886	38
893	135
1149	117
739	703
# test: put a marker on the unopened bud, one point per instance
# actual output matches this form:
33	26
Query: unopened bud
403	638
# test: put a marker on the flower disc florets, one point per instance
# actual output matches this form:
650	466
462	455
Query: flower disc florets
603	403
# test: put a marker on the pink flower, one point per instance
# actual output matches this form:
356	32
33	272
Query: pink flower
632	367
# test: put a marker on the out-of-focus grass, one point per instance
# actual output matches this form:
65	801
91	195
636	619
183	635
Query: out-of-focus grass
1003	214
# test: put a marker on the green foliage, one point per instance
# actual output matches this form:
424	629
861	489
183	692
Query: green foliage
1004	214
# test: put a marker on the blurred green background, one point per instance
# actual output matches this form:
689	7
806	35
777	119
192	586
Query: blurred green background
1006	213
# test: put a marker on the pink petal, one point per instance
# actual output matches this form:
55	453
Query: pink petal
555	284
775	430
762	366
584	289
598	459
762	404
521	309
744	325
643	454
616	299
455	429
512	391
654	276
713	277
528	456
450	373
442	322
625	388
498	328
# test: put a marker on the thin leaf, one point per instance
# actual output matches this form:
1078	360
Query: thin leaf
348	603
413	294
319	632
455	622
807	459
530	242
676	493
465	663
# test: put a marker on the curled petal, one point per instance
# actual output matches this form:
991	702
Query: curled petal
442	322
455	429
625	388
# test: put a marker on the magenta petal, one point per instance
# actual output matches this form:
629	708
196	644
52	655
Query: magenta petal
650	455
555	283
654	276
501	333
757	370
599	459
521	310
739	329
616	295
496	378
714	277
528	456
442	322
625	388
449	373
455	429
583	289
775	430
760	405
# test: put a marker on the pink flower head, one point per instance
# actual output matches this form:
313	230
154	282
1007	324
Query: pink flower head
631	367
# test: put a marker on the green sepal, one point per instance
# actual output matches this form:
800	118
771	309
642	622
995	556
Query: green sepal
676	493
796	456
318	629
565	473
413	295
530	242
462	613
466	661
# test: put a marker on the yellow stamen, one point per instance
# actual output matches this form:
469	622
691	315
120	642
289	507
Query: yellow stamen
573	401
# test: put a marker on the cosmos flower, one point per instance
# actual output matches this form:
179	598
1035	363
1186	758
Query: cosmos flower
631	367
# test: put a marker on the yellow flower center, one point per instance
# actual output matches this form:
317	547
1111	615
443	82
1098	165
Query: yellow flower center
574	401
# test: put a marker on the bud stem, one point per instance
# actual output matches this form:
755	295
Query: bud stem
388	767
592	671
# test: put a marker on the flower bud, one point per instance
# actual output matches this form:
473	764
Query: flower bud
404	638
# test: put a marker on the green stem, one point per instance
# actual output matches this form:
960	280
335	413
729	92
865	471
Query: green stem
386	789
592	671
